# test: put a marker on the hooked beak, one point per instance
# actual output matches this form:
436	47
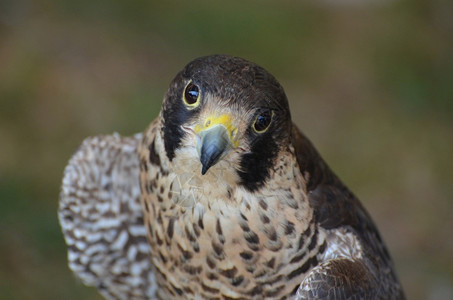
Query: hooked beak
215	140
215	144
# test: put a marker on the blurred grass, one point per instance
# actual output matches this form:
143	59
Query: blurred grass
370	83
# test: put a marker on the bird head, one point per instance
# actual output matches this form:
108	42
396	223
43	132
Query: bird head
224	108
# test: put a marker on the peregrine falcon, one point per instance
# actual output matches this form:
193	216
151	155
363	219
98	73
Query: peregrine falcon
221	197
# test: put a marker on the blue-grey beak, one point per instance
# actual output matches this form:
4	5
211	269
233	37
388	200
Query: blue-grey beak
213	145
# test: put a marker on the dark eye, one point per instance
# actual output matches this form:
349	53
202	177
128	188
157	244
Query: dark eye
191	95
262	121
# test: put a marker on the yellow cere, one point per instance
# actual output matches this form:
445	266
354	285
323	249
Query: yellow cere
223	120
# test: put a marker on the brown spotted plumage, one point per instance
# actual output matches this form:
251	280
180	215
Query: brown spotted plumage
236	202
102	219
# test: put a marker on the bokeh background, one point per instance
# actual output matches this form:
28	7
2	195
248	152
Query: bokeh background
370	82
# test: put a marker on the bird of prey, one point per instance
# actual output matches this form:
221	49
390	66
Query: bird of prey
221	197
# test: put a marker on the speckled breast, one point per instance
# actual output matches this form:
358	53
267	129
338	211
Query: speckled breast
242	246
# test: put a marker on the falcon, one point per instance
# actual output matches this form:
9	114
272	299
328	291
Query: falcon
221	197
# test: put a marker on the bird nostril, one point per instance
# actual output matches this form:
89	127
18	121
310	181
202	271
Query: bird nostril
208	122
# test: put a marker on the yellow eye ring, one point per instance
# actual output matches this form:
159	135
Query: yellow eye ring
191	95
263	121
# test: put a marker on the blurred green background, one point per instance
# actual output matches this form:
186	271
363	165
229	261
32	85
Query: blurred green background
370	82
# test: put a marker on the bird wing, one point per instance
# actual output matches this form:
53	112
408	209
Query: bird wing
102	219
338	211
333	203
339	279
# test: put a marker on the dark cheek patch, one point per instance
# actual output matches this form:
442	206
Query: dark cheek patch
255	166
175	114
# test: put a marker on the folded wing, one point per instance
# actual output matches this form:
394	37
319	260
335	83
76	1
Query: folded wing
102	219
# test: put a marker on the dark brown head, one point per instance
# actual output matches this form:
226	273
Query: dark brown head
219	105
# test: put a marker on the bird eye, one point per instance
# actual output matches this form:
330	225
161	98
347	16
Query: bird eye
262	121
191	95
